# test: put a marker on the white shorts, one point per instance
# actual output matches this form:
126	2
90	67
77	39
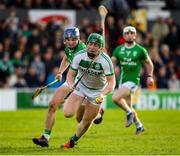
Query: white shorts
65	84
90	94
130	85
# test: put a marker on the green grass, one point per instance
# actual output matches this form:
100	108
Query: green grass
162	134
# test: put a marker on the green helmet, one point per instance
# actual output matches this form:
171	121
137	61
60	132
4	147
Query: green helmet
94	37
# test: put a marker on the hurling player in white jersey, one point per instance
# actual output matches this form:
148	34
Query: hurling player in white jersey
97	82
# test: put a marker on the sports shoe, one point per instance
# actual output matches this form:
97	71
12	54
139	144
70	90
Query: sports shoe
98	120
129	120
70	144
42	141
139	130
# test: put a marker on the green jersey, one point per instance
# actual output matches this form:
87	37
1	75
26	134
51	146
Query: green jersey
130	60
71	52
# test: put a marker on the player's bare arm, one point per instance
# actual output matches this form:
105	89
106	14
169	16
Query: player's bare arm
111	82
110	85
113	60
63	66
149	66
70	78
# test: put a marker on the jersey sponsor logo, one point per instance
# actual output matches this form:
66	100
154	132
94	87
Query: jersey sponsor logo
127	59
94	73
91	72
129	63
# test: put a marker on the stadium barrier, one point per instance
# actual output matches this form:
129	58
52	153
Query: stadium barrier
12	99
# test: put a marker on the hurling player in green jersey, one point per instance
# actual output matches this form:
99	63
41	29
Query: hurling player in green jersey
131	56
73	45
96	83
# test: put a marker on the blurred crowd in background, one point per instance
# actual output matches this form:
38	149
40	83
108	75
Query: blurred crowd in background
30	53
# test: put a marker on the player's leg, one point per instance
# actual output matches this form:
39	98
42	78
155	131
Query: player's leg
99	117
119	98
56	101
119	95
80	113
90	113
72	105
138	123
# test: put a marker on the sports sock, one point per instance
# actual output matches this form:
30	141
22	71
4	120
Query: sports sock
75	138
128	111
47	134
98	116
138	124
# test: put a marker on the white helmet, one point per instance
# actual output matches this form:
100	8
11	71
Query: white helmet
129	29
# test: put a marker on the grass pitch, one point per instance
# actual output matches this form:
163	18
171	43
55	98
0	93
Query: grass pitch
161	136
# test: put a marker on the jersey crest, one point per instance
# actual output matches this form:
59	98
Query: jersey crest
97	67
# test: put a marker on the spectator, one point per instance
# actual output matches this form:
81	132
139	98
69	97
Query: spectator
25	30
162	80
154	54
13	21
6	70
170	68
49	60
1	51
32	78
39	66
165	53
17	79
159	29
173	82
51	77
17	59
173	38
34	39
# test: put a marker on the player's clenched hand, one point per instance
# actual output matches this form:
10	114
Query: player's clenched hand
99	99
150	81
59	76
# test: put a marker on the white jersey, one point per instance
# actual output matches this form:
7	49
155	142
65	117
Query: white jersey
95	77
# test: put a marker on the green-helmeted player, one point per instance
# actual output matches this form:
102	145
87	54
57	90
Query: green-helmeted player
73	45
95	84
131	56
